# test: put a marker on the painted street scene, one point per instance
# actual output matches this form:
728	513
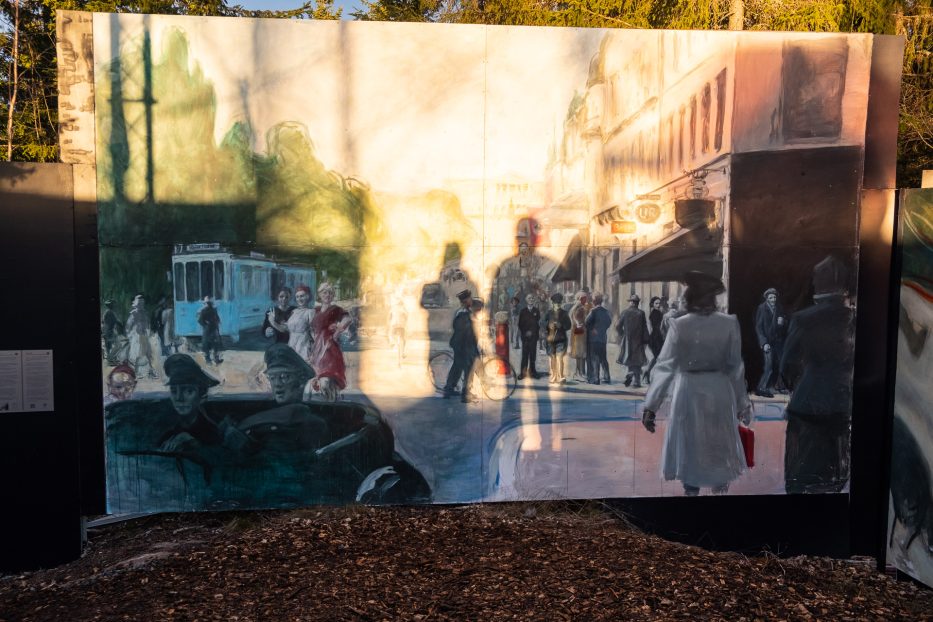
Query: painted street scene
627	269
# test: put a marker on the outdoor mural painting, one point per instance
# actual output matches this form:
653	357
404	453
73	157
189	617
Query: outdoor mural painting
910	517
530	263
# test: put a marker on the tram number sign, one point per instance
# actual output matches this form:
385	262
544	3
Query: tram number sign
648	212
623	226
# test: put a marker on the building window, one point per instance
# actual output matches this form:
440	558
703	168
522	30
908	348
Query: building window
680	139
705	105
813	83
720	107
693	128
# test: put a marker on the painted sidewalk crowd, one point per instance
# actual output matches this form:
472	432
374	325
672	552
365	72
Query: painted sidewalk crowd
696	363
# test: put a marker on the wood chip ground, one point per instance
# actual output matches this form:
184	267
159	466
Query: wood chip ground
521	562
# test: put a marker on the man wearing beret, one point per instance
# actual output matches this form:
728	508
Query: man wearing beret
466	349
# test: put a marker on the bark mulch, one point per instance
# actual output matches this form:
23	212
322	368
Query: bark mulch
469	563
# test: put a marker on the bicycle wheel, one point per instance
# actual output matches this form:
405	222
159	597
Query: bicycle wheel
439	368
498	378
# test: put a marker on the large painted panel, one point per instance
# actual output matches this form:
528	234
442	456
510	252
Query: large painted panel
910	531
412	263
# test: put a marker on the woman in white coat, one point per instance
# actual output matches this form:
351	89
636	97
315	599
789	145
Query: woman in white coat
700	367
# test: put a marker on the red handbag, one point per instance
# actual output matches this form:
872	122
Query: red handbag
747	436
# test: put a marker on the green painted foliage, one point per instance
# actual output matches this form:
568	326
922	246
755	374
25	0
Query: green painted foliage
179	184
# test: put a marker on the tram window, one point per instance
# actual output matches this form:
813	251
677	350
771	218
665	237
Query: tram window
218	279
207	279
179	281
259	284
242	285
191	280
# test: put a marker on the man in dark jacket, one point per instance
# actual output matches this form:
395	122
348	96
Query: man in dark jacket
633	338
817	365
111	328
597	324
157	325
529	320
769	327
466	349
210	331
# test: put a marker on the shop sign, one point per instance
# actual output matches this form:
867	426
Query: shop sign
623	226
648	212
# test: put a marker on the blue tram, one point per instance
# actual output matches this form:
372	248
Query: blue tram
243	287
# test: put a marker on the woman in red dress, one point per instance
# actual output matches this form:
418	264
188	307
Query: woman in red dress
326	355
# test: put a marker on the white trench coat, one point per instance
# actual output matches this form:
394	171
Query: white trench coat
700	367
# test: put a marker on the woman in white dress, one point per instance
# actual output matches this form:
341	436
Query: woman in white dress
700	367
137	331
298	324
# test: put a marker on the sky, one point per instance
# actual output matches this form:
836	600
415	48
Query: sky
281	5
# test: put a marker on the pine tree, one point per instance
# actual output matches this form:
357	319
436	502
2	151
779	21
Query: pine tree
29	131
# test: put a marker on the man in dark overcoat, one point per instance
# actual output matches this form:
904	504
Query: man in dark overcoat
597	325
817	366
632	329
465	347
529	320
210	331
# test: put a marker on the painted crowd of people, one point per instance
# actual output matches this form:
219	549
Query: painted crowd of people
312	331
686	351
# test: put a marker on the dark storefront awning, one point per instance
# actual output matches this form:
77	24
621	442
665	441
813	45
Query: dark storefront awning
697	248
569	268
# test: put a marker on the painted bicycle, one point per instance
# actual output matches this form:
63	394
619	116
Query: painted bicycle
495	374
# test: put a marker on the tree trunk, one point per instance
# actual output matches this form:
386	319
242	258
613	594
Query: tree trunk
736	15
14	83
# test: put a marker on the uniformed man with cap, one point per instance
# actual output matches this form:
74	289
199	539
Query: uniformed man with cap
188	385
465	346
290	425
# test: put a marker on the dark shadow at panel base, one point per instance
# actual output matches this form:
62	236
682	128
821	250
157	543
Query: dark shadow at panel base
783	525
